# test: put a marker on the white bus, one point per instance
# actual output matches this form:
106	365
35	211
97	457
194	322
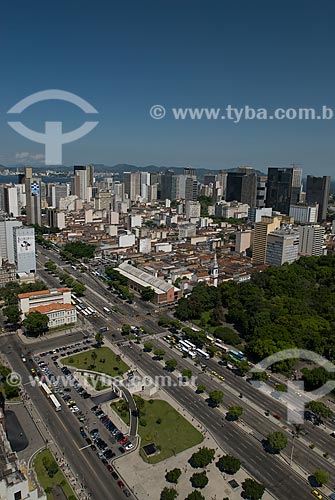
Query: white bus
55	402
221	346
106	310
184	345
203	354
191	346
45	389
90	310
85	313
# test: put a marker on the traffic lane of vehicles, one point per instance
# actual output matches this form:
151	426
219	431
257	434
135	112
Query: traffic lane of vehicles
268	469
255	420
81	414
261	400
63	430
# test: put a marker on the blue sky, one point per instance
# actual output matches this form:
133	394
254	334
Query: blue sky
124	57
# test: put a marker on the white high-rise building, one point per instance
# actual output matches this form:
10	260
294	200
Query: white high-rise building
11	201
282	247
192	209
311	240
304	214
24	249
7	239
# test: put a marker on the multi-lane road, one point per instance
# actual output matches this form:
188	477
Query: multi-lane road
279	477
64	429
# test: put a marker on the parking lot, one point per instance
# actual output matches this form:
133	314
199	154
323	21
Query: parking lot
104	439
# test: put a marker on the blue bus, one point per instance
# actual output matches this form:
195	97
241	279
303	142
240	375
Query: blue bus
238	356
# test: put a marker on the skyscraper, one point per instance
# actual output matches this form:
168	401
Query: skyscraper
24	249
33	197
82	181
242	186
282	246
132	184
311	240
279	189
262	230
296	185
317	191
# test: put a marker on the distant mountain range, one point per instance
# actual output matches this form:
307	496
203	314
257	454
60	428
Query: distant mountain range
120	168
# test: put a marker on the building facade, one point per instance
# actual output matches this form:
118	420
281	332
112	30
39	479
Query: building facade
55	303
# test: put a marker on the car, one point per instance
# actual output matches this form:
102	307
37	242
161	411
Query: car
129	446
317	494
121	485
104	461
276	416
88	441
124	441
109	454
93	447
126	492
332	434
121	449
114	475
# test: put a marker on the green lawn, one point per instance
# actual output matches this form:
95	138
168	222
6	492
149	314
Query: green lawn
172	435
106	361
121	409
48	482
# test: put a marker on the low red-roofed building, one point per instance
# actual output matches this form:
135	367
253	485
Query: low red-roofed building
55	303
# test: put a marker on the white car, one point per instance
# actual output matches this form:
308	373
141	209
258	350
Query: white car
128	446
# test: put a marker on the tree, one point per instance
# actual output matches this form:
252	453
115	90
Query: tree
99	338
321	477
261	376
159	354
94	357
281	387
78	250
173	475
201	388
126	329
235	412
202	458
170	365
147	294
36	323
211	350
78	287
277	441
11	391
140	403
215	398
148	346
252	489
319	409
229	464
243	367
168	494
199	480
195	495
186	373
12	313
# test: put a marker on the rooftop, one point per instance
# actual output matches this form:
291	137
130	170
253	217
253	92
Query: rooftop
51	307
